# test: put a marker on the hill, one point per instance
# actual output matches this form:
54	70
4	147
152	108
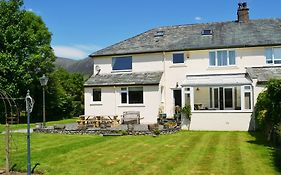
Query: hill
84	66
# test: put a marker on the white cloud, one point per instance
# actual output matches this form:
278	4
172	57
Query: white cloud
198	18
30	10
78	51
91	48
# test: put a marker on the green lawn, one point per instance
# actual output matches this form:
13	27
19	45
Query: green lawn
180	153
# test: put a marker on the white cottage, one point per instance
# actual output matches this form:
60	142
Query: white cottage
218	69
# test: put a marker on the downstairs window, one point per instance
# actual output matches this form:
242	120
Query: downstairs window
132	95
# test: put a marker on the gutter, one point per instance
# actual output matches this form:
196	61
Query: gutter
184	49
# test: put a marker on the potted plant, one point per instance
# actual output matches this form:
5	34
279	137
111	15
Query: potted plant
186	119
177	115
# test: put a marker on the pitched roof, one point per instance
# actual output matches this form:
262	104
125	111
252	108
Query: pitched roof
263	74
260	32
122	79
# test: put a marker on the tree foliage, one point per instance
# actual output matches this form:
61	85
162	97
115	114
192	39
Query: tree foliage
268	108
64	94
25	55
25	52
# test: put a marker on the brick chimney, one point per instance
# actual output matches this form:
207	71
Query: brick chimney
243	12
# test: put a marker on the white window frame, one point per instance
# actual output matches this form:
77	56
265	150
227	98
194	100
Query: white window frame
213	97
242	99
273	59
100	95
178	53
233	97
216	58
243	91
121	70
188	90
127	91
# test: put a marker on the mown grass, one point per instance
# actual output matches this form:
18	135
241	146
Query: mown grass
32	125
180	153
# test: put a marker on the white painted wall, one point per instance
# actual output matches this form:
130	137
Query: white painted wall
111	103
221	121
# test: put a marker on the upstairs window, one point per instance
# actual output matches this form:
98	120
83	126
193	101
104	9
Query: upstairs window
97	94
178	58
122	63
273	55
222	58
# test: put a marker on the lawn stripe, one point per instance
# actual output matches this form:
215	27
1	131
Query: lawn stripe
166	155
207	155
166	161
135	157
234	154
256	155
92	152
98	156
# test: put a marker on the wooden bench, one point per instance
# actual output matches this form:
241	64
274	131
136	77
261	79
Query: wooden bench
131	117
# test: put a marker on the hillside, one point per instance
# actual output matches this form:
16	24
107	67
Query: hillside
84	66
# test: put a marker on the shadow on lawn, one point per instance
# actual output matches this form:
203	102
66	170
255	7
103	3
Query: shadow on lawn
276	153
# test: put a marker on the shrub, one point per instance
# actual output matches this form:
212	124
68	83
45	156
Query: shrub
268	109
186	110
156	132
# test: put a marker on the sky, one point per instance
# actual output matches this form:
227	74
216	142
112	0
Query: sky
81	27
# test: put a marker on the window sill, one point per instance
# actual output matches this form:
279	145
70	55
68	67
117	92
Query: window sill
178	65
131	105
95	104
118	71
222	111
222	67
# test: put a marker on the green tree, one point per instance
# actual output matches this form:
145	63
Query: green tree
64	94
25	52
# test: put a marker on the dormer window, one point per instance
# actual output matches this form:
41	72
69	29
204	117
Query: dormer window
159	34
207	32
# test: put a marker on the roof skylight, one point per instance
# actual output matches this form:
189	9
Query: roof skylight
207	32
159	34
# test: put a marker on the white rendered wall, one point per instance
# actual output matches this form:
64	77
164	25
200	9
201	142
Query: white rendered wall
111	103
221	121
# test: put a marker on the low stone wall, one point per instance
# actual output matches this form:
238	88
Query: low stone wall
121	130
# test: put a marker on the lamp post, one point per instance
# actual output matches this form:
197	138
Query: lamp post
29	106
43	82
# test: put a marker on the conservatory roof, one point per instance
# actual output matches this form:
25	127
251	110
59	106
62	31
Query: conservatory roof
216	80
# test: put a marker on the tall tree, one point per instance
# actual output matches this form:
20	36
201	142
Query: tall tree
25	52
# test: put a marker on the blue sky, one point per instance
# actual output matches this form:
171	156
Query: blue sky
80	27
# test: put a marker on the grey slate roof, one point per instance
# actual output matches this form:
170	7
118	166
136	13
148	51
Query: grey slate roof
263	74
260	32
121	79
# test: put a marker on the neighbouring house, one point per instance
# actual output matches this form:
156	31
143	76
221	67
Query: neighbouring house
218	69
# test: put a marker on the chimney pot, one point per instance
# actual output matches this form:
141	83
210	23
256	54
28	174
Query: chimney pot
243	12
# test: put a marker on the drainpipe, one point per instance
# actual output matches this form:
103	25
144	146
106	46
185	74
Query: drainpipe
115	103
164	81
253	107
